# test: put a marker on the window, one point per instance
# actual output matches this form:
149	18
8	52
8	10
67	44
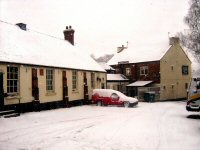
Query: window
164	87
144	70
74	80
185	70
49	80
172	67
198	85
128	71
115	97
12	79
92	80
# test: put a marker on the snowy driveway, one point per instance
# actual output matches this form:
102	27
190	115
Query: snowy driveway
150	126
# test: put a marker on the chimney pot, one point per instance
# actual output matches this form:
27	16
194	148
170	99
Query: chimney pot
69	34
173	40
22	26
120	49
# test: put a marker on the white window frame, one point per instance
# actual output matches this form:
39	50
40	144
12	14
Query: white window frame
74	80
144	70
128	71
117	70
12	80
50	79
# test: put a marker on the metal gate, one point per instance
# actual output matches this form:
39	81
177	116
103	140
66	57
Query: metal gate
142	90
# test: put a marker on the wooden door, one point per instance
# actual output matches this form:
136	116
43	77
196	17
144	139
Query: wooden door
85	87
65	89
1	91
35	89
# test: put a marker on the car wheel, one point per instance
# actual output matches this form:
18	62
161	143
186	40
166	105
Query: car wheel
99	103
126	104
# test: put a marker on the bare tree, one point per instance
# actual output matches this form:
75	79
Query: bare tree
191	38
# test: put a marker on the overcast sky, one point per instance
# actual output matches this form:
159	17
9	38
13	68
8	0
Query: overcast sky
100	25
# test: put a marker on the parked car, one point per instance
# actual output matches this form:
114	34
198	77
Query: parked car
112	97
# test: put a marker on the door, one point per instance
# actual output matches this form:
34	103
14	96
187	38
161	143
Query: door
35	89
1	91
85	87
65	89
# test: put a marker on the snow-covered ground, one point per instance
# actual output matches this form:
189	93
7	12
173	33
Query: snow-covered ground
150	126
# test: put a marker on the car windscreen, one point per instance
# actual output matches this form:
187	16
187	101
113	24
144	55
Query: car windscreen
121	95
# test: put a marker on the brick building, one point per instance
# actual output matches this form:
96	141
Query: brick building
163	69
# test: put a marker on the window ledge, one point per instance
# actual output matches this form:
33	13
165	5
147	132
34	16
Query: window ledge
50	93
13	97
75	91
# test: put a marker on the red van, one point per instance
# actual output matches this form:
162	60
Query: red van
112	97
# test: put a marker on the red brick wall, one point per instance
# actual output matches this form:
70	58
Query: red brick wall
153	71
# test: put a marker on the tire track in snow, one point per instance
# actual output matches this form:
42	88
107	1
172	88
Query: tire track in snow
22	132
120	127
159	124
52	123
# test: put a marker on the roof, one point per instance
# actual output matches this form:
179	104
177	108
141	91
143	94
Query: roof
105	66
152	50
30	47
140	83
116	77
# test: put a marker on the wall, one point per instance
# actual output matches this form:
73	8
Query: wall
98	83
153	75
172	80
154	72
25	84
119	86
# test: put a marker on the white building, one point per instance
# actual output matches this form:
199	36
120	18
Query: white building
43	70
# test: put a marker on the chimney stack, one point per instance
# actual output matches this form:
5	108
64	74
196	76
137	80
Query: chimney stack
69	34
173	40
22	26
120	49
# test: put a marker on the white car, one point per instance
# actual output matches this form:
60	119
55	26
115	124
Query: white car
112	97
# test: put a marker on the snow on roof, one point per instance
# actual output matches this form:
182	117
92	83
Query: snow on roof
140	83
105	66
29	47
116	77
152	50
